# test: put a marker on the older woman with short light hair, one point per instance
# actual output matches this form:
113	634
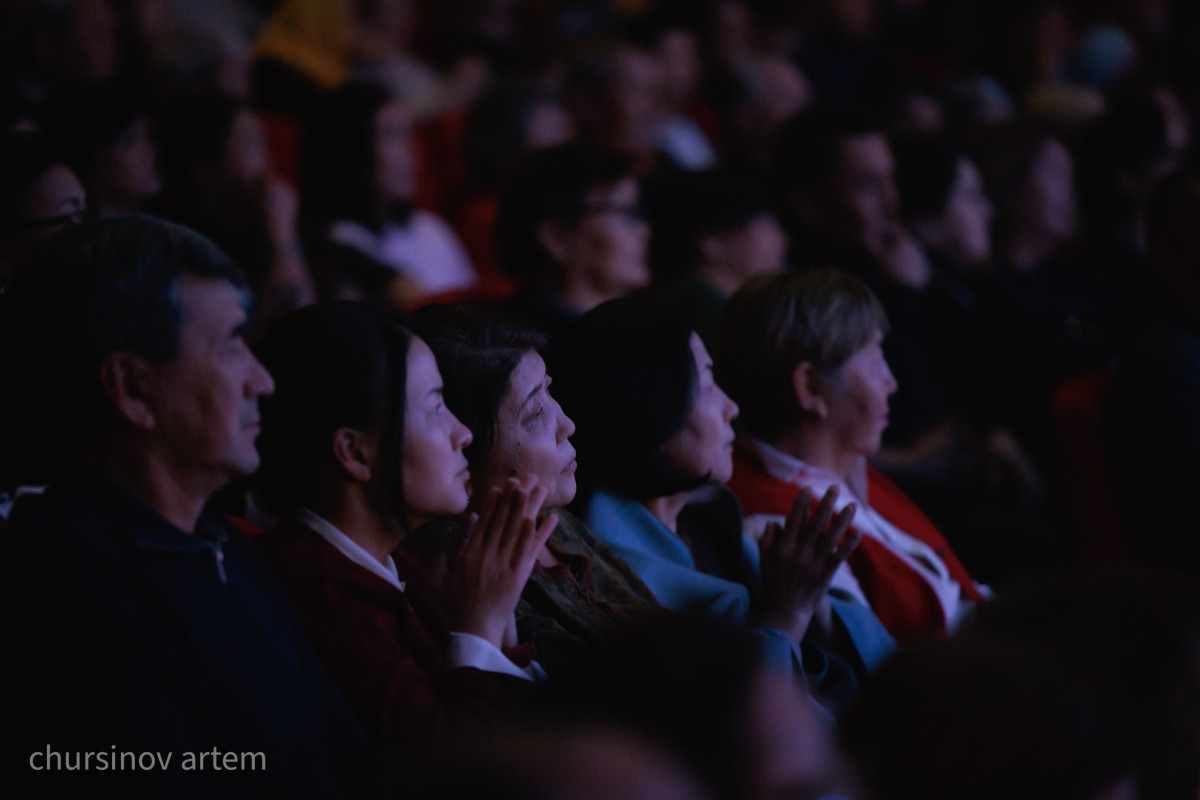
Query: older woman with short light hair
801	355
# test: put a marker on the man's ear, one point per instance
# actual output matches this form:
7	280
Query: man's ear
811	390
355	451
127	381
553	236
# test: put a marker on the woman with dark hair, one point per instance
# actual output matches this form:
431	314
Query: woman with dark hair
219	183
713	229
39	195
507	121
1040	317
358	449
103	130
655	443
357	182
496	382
572	234
802	354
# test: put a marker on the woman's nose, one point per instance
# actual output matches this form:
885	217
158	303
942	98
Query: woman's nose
565	428
460	436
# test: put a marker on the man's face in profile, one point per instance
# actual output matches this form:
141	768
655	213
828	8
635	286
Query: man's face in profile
205	400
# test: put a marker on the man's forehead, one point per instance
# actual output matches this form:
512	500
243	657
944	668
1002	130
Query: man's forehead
212	301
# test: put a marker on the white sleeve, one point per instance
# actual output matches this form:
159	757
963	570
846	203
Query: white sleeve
469	650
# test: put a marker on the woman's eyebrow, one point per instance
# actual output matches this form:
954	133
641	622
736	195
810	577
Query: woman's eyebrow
534	392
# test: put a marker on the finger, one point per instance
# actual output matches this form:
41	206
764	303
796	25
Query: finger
824	512
465	534
816	535
798	516
767	541
533	539
537	497
849	544
487	510
839	555
544	531
841	523
496	532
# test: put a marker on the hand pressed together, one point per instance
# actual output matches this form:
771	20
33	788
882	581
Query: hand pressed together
495	558
800	558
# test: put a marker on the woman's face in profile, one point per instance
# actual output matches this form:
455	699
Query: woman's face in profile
858	399
531	436
607	248
435	469
704	446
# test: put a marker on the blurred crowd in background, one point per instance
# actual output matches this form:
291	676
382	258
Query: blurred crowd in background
1009	187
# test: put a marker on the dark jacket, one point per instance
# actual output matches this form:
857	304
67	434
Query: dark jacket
124	634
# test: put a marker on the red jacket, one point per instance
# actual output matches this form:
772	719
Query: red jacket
903	600
385	649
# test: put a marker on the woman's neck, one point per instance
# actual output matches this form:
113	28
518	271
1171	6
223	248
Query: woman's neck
362	525
666	509
581	297
818	448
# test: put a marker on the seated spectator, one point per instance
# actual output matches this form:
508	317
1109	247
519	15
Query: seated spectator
681	139
137	622
103	130
655	448
571	232
506	122
758	97
496	383
219	183
712	231
39	195
358	450
364	238
802	354
1153	410
613	93
1040	317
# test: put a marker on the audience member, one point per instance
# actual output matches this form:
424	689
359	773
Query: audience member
220	184
139	399
572	233
713	230
802	354
496	382
652	469
358	450
39	195
364	238
103	130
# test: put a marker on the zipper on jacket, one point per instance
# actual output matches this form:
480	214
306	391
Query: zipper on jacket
219	556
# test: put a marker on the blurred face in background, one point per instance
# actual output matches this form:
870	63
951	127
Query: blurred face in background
1048	200
127	172
865	200
395	166
606	248
963	231
634	102
757	247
